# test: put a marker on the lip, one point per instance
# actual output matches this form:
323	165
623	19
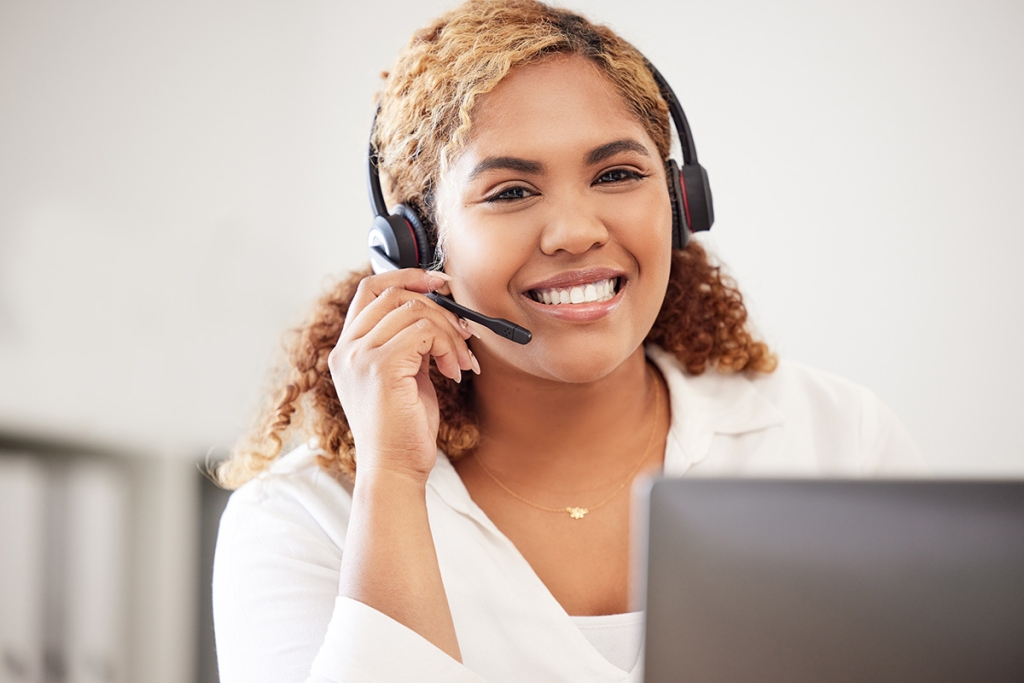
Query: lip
578	277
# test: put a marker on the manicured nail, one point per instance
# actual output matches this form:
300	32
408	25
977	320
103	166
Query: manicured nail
466	326
458	375
476	363
436	279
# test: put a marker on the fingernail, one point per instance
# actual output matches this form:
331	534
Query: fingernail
466	326
458	375
476	363
436	279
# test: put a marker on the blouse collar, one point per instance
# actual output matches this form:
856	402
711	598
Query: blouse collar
702	406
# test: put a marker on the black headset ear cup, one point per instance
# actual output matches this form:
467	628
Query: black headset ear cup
424	253
680	233
401	238
697	198
392	236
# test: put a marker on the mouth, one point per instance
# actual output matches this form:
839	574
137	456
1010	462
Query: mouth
592	292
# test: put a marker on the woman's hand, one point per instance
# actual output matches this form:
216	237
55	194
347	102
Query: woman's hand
380	368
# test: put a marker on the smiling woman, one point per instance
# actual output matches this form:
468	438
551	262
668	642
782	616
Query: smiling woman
461	501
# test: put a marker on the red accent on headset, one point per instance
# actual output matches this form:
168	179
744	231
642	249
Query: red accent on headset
415	242
686	203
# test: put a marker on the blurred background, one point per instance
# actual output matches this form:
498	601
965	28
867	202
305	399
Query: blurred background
179	180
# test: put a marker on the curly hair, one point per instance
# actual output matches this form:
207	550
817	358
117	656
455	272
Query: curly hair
423	122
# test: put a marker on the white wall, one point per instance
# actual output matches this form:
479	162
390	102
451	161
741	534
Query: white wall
178	180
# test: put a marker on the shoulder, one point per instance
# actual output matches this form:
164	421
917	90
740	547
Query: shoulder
275	570
292	499
295	474
791	388
798	387
794	420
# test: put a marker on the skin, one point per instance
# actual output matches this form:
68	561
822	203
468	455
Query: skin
558	185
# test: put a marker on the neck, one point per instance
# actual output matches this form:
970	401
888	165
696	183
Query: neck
536	430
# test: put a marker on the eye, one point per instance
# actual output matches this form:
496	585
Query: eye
618	175
511	194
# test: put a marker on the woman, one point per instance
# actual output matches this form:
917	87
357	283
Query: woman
468	519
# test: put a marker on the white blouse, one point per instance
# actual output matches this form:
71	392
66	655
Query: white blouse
278	616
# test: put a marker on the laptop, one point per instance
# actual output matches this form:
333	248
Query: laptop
833	580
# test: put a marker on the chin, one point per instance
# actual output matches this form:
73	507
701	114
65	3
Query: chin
584	360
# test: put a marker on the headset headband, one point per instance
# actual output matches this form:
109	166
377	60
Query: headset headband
373	175
675	109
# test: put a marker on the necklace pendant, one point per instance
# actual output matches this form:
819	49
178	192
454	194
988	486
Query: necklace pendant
577	513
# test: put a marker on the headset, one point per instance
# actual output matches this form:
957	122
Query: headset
397	238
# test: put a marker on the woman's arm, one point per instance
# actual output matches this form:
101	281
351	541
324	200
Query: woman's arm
380	368
390	563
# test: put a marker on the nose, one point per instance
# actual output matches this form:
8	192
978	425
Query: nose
573	229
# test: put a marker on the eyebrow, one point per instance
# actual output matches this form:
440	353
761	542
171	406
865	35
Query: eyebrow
509	163
595	156
603	152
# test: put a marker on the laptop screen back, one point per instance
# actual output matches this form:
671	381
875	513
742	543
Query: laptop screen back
803	580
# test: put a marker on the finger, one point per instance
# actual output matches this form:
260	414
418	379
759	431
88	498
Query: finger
419	311
411	279
391	299
425	338
378	352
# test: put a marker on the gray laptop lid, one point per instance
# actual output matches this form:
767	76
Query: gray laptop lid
803	580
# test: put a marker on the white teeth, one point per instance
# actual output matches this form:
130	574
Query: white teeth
580	294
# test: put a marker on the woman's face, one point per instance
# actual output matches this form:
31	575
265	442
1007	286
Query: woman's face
560	195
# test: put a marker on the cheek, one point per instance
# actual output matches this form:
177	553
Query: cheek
482	256
661	227
645	229
649	239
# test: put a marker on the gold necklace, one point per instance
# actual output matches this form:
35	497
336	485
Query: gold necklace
580	512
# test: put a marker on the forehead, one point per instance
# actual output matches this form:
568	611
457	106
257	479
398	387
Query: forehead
558	102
